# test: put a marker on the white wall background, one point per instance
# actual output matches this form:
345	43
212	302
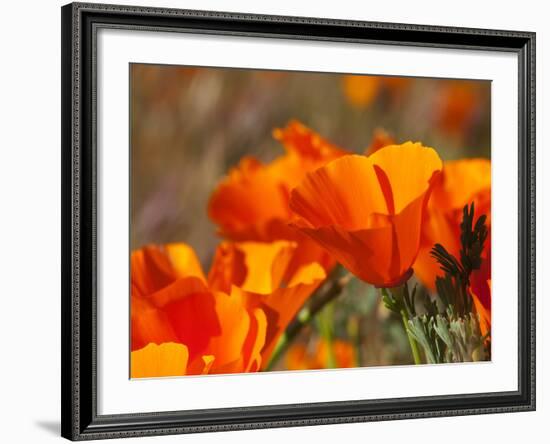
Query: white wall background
30	220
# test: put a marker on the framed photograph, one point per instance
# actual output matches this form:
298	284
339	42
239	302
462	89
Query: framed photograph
281	221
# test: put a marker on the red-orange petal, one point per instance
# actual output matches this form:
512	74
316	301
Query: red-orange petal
248	201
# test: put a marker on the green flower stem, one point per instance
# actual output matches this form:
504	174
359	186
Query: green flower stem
325	322
412	341
354	331
398	300
325	294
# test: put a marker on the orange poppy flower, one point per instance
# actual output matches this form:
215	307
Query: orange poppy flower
300	357
362	90
368	211
461	183
172	303
228	322
251	203
164	282
280	292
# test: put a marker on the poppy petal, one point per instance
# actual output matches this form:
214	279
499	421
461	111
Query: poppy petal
266	264
184	261
190	310
344	192
248	200
234	322
148	324
410	169
152	361
201	365
228	268
298	138
255	341
366	253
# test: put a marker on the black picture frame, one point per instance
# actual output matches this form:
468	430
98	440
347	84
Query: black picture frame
80	420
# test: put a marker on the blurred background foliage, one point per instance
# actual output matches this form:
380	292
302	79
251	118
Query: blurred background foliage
190	125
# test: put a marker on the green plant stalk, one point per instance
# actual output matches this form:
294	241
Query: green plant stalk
325	321
397	299
412	341
354	331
